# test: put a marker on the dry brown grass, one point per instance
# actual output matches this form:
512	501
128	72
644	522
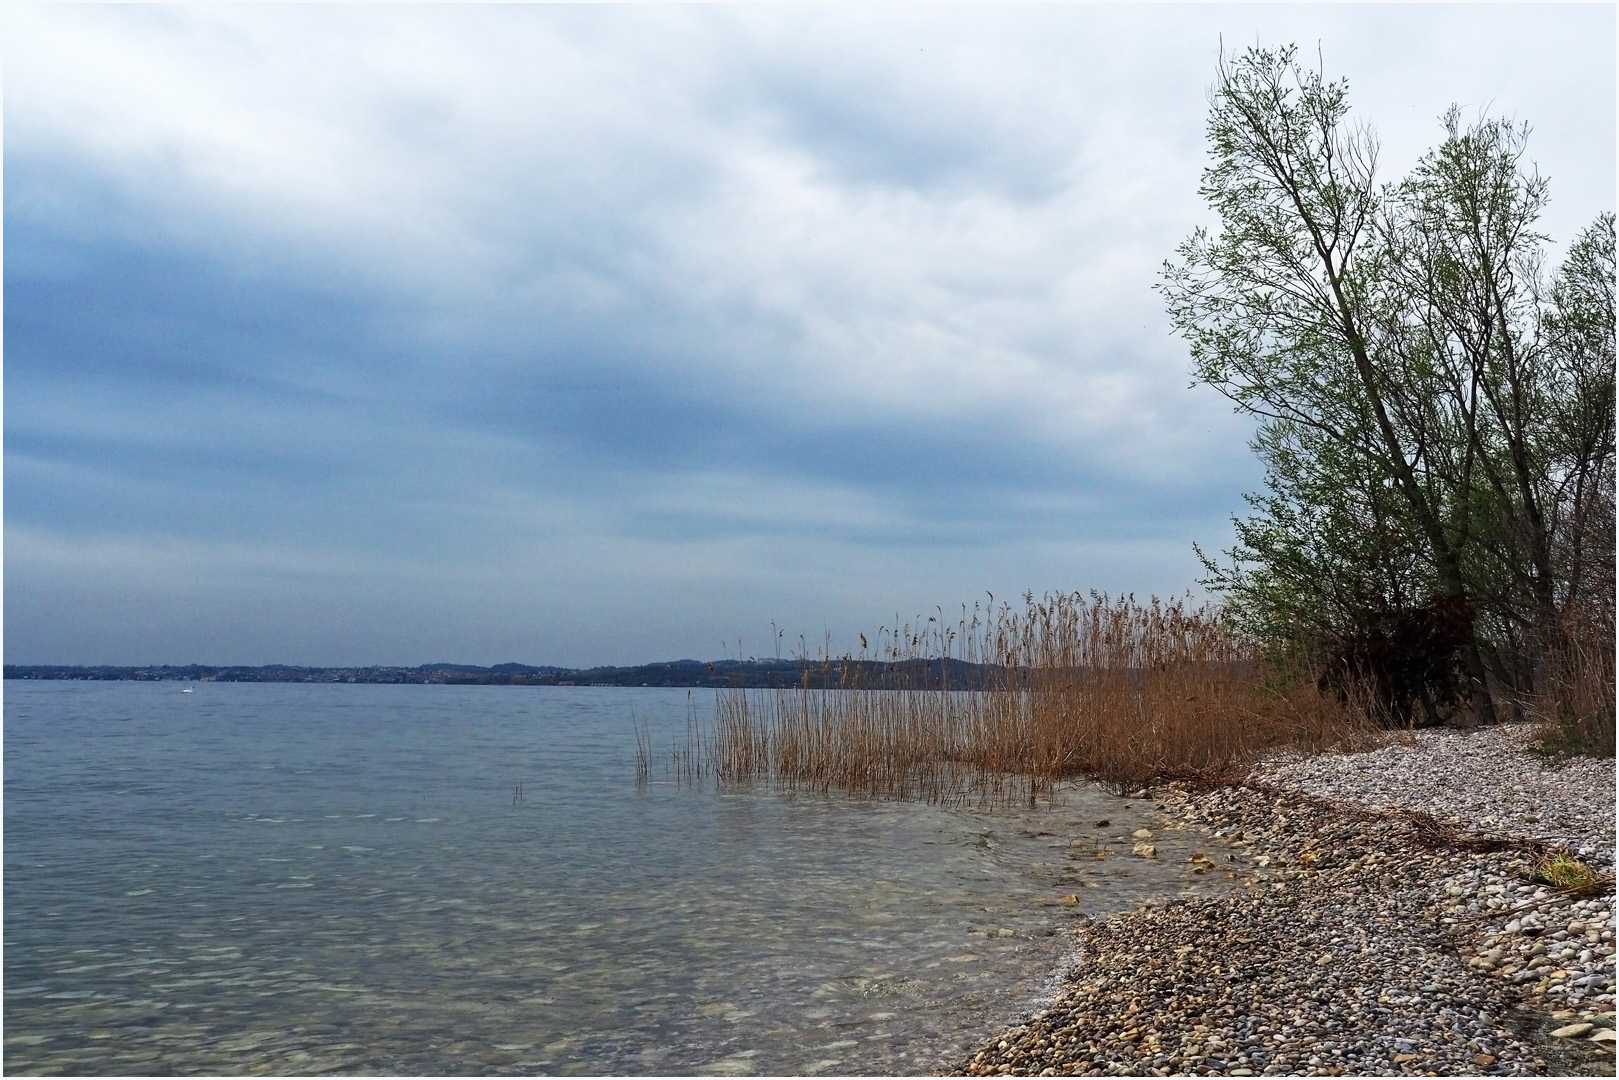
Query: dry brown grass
1576	705
1077	686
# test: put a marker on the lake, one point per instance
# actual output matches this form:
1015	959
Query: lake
299	879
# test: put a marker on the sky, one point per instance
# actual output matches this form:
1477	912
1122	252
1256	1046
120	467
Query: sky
606	334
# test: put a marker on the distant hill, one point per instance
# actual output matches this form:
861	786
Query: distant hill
911	674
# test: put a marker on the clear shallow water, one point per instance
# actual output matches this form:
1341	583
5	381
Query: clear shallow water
294	879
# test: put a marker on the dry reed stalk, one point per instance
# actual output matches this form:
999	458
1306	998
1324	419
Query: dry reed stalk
643	752
1067	686
1576	704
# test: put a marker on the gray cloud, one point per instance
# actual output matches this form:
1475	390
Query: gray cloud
607	334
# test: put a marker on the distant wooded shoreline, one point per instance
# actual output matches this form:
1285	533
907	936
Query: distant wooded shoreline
719	674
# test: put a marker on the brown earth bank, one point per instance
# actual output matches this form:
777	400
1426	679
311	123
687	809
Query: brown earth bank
1368	940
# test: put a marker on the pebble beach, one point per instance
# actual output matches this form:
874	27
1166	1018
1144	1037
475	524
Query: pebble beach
1391	918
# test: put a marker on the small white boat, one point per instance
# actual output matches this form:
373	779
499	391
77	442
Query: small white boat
189	690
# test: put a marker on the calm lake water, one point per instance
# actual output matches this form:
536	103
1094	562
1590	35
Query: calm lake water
264	878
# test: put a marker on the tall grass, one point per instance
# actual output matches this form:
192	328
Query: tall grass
1575	703
1064	686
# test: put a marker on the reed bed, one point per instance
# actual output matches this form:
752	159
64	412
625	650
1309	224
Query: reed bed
1576	703
1065	686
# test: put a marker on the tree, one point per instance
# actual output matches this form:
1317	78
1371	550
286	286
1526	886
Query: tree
1431	421
1580	441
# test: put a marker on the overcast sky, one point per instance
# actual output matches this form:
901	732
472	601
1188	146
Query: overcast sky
605	334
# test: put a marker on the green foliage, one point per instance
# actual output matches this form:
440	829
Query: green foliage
1563	871
1434	421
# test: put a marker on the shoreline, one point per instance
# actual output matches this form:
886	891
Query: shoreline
1373	937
